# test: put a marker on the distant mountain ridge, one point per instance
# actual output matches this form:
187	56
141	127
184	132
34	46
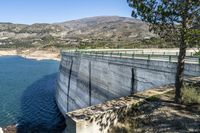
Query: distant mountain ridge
74	33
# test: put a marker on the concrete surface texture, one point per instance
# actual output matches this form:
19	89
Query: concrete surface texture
86	80
102	117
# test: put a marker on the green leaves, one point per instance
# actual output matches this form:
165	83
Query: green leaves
166	17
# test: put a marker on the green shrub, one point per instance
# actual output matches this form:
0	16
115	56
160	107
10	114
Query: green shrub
153	98
197	53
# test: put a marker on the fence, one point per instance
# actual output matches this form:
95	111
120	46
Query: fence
139	54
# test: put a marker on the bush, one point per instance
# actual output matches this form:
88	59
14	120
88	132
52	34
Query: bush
191	95
197	53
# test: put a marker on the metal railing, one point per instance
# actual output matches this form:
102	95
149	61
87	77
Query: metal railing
137	51
164	56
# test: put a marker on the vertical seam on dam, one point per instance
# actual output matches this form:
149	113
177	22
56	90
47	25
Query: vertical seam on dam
69	80
90	85
132	81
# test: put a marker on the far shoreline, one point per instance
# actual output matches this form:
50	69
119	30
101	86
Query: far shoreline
32	54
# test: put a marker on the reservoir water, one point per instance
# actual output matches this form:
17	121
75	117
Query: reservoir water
27	94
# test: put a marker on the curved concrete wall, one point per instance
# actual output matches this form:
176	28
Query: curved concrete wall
86	80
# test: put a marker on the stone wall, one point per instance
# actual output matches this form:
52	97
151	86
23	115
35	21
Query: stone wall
86	80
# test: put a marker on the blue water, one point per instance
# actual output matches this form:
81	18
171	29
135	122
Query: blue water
27	94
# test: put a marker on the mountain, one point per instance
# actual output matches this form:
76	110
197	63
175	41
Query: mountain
108	27
102	31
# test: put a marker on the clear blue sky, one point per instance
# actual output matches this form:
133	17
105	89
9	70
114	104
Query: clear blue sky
50	11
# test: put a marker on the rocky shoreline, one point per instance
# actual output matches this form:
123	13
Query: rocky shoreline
33	54
9	129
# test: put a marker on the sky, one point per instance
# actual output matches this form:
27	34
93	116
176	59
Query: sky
51	11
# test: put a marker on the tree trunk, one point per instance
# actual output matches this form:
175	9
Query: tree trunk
182	54
180	68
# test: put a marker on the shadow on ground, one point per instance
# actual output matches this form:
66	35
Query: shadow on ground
160	116
40	113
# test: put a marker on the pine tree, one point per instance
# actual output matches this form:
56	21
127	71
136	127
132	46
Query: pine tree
171	19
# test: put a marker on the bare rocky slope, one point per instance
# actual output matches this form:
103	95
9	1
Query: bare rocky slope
102	31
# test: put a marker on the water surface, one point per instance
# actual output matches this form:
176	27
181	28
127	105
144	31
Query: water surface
27	94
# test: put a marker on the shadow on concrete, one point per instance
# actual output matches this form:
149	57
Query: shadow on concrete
40	113
159	116
152	115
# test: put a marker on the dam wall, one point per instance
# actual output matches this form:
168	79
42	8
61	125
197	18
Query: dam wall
86	80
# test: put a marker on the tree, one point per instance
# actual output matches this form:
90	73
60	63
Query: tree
174	19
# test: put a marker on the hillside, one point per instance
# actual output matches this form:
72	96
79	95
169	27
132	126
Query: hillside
102	31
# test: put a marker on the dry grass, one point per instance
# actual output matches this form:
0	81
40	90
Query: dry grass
161	114
191	95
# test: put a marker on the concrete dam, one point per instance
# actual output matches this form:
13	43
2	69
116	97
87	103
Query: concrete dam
87	79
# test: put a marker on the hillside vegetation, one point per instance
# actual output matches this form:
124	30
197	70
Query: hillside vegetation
94	32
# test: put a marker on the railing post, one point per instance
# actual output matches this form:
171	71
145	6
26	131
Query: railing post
170	58
120	55
133	55
149	57
191	54
199	60
111	54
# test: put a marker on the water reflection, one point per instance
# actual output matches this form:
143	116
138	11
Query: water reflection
38	107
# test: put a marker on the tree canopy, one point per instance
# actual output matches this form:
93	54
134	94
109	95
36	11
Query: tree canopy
176	20
166	17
